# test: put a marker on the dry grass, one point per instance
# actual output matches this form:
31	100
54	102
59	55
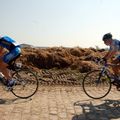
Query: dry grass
59	65
60	57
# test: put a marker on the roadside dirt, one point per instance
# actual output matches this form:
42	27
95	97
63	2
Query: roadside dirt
59	65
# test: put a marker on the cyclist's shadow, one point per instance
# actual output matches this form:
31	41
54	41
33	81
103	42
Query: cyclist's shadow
109	109
4	101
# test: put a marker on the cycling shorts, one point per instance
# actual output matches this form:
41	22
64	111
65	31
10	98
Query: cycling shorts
11	54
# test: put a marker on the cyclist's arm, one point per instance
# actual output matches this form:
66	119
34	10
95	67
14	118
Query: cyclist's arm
112	51
1	51
110	54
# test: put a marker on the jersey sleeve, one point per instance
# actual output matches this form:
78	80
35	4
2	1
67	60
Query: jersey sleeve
115	46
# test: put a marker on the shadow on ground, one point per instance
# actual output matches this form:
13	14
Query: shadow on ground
5	101
106	110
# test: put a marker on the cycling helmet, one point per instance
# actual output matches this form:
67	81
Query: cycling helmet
107	36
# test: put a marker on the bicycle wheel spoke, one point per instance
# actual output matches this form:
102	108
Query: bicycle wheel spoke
96	85
26	84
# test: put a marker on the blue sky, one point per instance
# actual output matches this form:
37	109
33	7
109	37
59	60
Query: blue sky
68	23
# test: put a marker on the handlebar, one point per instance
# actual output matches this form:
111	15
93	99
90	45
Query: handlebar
100	61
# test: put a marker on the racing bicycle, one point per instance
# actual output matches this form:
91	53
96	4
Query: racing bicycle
98	83
26	81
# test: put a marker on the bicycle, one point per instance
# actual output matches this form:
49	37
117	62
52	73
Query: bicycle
26	81
100	80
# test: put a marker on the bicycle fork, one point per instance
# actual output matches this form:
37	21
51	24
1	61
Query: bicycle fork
103	71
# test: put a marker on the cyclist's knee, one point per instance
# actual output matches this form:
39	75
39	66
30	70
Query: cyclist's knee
115	61
3	64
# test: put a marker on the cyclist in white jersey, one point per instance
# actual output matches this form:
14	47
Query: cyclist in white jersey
114	48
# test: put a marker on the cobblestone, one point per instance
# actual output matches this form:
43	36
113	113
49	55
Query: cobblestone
60	103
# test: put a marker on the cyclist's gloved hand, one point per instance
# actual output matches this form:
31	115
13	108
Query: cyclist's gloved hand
104	59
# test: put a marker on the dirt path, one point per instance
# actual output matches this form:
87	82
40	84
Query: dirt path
60	103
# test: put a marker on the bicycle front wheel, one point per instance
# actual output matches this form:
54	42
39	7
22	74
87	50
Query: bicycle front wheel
26	83
96	85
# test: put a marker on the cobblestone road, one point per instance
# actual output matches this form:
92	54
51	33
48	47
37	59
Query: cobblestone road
60	103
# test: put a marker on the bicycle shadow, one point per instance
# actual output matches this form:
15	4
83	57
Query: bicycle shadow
5	101
109	109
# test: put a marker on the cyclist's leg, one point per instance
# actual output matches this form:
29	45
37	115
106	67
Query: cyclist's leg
6	59
4	70
116	69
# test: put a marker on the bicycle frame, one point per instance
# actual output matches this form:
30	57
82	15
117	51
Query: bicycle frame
104	70
97	80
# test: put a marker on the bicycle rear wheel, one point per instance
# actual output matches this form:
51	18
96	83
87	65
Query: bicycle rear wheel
26	83
96	85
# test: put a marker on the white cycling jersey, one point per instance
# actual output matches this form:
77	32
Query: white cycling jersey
115	46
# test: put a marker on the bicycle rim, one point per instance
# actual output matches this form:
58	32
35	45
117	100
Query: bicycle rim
95	88
26	84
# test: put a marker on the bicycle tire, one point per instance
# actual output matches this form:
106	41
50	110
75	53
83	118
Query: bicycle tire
93	89
26	83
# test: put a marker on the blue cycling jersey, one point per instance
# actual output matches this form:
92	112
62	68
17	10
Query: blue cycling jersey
8	43
12	46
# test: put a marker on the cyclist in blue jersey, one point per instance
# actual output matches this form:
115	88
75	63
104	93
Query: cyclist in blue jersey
13	51
114	48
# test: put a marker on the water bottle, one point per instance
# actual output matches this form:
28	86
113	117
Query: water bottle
18	64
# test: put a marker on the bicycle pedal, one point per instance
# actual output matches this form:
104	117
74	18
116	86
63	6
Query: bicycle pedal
115	82
118	88
8	88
